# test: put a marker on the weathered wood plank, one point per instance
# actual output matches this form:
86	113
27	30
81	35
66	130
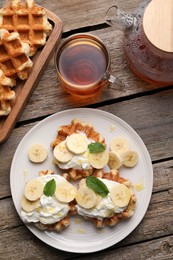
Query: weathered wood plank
159	249
22	244
152	118
78	13
160	209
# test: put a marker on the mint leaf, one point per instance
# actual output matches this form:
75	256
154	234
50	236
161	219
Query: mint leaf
96	147
97	185
49	188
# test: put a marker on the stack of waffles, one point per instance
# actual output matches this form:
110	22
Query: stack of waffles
24	28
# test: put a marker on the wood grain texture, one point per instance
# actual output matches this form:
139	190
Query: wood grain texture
159	249
90	12
146	108
157	24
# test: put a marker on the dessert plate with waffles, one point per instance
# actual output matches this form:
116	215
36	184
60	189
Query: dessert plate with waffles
28	36
81	180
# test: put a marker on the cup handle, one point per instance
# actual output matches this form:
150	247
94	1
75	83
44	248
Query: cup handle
114	80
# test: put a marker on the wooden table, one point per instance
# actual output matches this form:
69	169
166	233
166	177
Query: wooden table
145	107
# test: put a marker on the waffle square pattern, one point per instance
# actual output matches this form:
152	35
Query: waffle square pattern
29	20
14	59
6	94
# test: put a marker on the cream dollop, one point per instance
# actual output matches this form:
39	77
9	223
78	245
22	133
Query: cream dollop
50	210
79	161
105	207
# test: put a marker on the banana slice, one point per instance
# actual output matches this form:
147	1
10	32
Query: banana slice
115	161
61	153
28	205
86	197
98	160
119	145
82	182
34	189
130	158
37	153
76	143
120	195
65	192
98	199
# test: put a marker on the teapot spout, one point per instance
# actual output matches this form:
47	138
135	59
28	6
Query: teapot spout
119	19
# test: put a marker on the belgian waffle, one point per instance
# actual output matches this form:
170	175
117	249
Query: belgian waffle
29	20
74	127
128	212
14	60
6	94
63	223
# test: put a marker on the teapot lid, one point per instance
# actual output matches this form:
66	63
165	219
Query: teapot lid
158	24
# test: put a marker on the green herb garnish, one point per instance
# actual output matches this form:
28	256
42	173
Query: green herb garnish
96	147
49	188
97	185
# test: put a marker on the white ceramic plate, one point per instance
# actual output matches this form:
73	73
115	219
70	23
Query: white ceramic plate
81	236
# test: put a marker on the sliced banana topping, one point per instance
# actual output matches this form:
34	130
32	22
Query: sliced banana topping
37	153
76	143
86	197
98	160
120	195
28	205
65	192
115	161
130	158
82	182
119	145
61	153
34	189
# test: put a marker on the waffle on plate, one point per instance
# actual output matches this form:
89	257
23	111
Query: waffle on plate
118	205
48	211
70	149
74	127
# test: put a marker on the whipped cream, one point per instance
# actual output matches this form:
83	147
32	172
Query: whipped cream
50	209
78	161
105	207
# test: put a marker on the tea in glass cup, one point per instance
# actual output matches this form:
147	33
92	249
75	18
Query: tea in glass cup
82	62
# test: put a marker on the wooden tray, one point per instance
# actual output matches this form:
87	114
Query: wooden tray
24	89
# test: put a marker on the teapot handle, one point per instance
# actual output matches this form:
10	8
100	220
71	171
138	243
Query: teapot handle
119	19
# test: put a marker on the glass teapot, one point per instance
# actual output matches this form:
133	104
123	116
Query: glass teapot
148	39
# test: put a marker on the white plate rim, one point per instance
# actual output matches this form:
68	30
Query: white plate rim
84	248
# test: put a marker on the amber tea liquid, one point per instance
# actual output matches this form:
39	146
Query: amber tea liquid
82	63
